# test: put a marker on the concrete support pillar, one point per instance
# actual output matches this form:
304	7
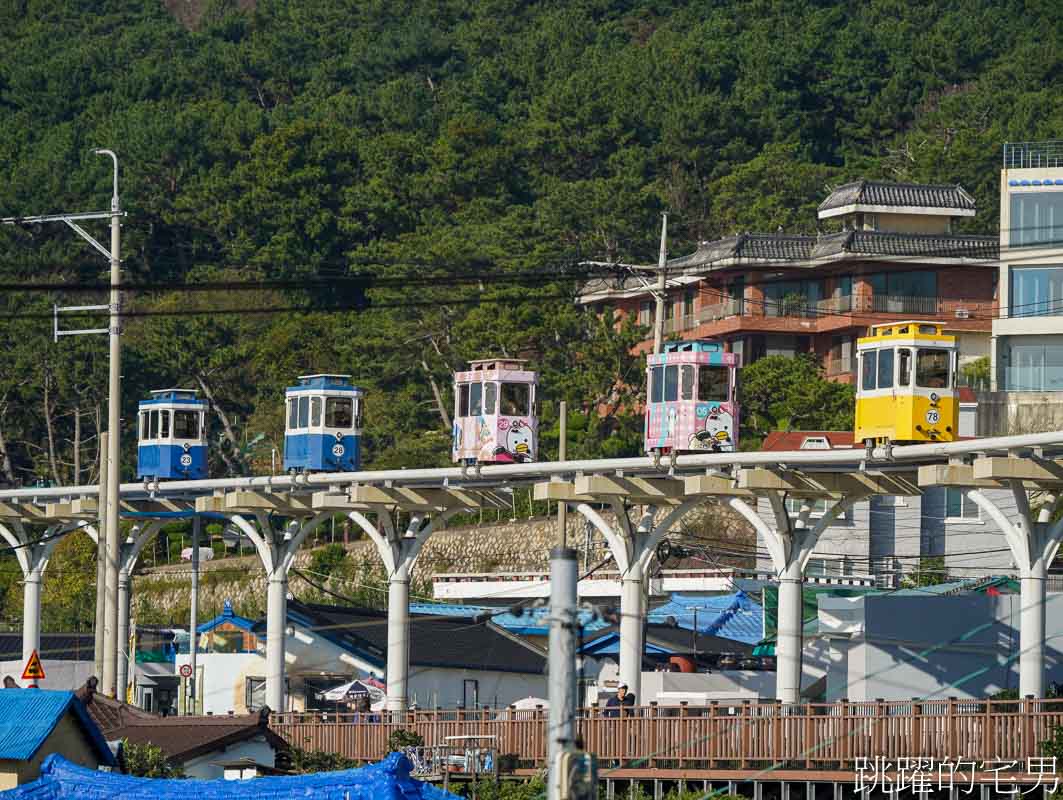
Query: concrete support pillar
398	665
124	653
633	547
632	630
1034	540
276	622
399	552
790	541
31	614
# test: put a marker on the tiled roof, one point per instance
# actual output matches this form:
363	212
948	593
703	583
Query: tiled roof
181	738
887	243
54	646
881	193
788	441
759	246
435	641
28	717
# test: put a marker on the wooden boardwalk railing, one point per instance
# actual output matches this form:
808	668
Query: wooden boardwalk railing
811	736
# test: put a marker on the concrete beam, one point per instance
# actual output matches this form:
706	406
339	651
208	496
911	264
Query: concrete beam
960	475
329	501
64	511
560	491
650	491
826	484
410	499
714	485
1033	470
27	512
214	502
287	504
89	507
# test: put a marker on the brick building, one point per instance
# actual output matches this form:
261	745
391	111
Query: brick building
896	256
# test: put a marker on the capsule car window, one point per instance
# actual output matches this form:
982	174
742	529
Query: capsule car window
293	412
164	424
186	424
463	400
932	369
304	412
686	382
490	392
476	406
885	369
671	384
339	412
868	367
904	368
656	385
516	399
712	383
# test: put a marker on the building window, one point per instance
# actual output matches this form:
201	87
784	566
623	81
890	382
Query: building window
1036	218
819	506
1034	366
645	313
1036	291
254	694
688	302
792	298
958	506
904	292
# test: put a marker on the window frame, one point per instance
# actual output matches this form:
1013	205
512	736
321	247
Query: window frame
462	399
524	403
866	357
966	504
948	366
713	369
656	387
196	430
331	402
671	382
316	407
490	398
687	388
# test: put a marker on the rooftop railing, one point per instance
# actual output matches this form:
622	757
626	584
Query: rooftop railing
1033	155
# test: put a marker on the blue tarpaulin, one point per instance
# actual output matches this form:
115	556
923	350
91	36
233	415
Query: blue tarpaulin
388	780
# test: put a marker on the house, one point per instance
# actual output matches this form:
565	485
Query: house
895	256
35	723
879	540
205	746
931	642
1027	363
234	649
455	661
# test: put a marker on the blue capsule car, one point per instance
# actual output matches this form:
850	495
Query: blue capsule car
324	425
172	437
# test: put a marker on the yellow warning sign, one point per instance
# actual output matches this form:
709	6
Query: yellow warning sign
34	670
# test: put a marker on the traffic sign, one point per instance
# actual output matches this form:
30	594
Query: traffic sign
34	670
186	670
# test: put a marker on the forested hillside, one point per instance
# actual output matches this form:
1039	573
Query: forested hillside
429	142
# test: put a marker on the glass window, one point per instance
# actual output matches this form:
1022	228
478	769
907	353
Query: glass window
869	365
315	411
912	284
645	312
476	394
304	412
339	412
712	383
885	368
164	424
463	399
959	506
1036	291
671	384
688	302
358	414
293	412
904	367
153	430
669	308
142	425
657	385
516	399
1036	218
186	424
932	368
686	382
817	504
490	395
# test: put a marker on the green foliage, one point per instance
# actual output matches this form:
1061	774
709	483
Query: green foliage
976	373
149	761
931	571
307	761
402	738
486	789
784	394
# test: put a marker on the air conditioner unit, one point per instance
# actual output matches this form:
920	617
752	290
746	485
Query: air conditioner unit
962	313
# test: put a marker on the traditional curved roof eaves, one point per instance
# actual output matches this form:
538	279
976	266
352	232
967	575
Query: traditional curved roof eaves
884	194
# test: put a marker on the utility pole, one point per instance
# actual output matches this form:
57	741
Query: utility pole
109	538
562	507
561	727
193	629
658	317
101	560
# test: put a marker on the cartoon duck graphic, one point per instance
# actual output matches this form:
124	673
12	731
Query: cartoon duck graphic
518	446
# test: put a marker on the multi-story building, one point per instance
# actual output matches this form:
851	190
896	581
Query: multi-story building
1027	345
896	256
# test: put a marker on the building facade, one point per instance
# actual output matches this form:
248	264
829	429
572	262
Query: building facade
895	256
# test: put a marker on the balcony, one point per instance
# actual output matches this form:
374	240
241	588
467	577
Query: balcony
1033	155
1033	379
718	311
903	304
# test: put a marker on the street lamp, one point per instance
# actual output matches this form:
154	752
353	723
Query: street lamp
109	474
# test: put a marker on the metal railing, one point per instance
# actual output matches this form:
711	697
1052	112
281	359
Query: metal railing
744	735
1033	155
903	304
717	311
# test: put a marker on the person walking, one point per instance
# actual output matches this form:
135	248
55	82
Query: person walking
615	705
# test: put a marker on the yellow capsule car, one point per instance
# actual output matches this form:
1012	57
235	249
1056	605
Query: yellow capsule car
906	390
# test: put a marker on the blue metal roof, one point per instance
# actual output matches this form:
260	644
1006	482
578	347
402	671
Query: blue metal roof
609	645
28	717
730	616
227	615
693	346
331	382
532	622
389	778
